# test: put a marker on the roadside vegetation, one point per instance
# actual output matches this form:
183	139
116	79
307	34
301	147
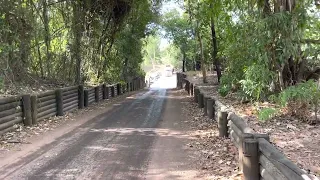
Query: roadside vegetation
261	51
46	42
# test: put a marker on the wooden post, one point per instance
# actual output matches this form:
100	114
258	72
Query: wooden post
86	98
200	100
186	88
34	109
104	91
119	89
112	91
81	97
243	136
26	109
96	93
191	89
178	78
59	101
205	98
107	92
263	136
250	159
210	108
196	94
223	123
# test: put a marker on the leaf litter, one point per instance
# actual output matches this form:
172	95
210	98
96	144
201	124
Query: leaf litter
217	156
299	141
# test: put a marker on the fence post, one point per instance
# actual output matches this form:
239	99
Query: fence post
242	138
191	89
250	159
205	99
86	98
223	123
112	91
104	91
196	94
59	100
34	109
81	96
200	100
210	108
178	78
118	89
107	92
96	93
186	87
26	105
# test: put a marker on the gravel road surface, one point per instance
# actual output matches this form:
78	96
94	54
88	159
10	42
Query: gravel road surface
140	137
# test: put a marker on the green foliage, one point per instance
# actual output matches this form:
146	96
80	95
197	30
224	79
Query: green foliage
267	113
256	80
307	92
226	85
74	40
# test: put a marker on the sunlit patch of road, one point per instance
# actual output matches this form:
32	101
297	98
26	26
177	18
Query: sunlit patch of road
165	82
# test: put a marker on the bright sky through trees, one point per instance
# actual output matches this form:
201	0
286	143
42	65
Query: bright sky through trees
166	7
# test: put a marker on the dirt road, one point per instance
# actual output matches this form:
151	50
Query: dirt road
138	138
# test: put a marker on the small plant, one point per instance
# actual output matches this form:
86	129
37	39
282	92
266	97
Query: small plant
226	84
255	83
267	113
300	98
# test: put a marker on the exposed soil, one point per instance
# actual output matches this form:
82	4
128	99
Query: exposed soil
299	141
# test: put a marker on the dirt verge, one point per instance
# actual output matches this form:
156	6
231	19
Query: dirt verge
299	141
217	156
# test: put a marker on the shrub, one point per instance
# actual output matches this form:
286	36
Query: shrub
300	98
267	113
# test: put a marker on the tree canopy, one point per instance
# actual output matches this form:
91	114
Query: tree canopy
74	41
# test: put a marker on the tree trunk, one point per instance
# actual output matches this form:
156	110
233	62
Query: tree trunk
77	35
203	67
184	62
216	61
47	38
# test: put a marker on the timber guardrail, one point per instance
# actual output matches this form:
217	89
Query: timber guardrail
258	158
29	109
